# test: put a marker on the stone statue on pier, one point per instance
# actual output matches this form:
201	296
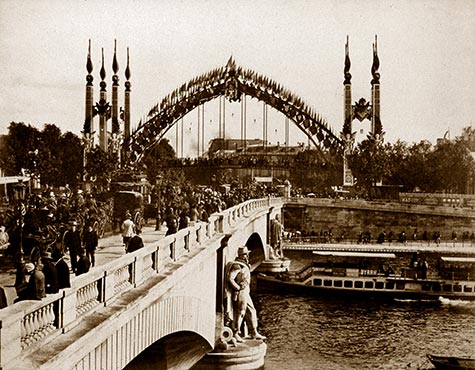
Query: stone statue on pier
276	231
239	303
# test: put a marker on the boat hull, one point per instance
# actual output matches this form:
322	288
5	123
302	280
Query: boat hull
452	363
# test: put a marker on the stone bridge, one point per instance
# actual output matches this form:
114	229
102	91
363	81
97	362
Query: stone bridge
170	292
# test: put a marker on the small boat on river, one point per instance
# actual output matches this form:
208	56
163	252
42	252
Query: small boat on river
371	274
452	363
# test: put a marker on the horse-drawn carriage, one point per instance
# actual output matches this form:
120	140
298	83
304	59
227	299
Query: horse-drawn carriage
129	202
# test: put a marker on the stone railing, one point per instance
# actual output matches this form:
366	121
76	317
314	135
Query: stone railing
28	325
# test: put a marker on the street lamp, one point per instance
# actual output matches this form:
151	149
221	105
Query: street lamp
158	183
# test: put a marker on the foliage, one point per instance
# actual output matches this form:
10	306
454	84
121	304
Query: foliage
452	166
447	167
54	157
160	156
100	166
369	164
316	171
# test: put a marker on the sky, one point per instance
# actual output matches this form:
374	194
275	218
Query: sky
426	51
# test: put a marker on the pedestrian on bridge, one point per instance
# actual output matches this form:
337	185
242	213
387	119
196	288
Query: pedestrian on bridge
90	241
135	243
72	241
127	228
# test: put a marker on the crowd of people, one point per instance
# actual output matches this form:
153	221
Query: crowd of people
56	235
367	237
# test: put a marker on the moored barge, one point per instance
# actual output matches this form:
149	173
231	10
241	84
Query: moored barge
371	274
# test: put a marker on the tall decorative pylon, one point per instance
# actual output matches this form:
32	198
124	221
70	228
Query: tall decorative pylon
115	92
347	136
88	128
128	85
126	113
376	126
89	114
103	108
114	146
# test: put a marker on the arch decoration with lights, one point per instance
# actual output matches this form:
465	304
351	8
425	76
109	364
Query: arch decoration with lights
232	82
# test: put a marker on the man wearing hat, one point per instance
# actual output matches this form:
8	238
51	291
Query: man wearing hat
51	274
72	241
35	283
239	280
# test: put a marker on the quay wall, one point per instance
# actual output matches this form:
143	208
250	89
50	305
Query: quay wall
354	216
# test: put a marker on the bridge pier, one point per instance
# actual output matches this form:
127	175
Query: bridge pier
248	355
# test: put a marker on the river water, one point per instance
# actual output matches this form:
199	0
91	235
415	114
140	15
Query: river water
310	333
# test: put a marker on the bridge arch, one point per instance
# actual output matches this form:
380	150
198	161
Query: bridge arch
256	246
181	349
232	82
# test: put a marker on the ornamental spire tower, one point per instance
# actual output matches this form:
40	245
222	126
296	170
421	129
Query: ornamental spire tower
376	126
115	92
103	103
89	114
348	109
127	101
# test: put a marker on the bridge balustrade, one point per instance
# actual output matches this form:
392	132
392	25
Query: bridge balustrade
28	325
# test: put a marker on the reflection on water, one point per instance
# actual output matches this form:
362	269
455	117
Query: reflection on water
309	333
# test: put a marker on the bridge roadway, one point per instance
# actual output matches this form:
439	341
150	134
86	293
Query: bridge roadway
168	293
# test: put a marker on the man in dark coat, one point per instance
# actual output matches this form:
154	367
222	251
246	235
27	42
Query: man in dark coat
136	242
90	241
83	264
62	268
51	274
72	241
35	287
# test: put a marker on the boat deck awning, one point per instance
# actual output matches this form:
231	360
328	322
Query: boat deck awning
458	259
355	254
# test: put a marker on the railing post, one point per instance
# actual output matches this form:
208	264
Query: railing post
137	271
10	334
156	259
173	250
108	286
68	310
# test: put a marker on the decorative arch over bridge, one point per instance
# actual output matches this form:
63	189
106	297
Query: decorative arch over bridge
231	81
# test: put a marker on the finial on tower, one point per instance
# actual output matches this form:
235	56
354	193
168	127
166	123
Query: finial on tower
375	66
115	65
103	70
127	69
347	62
89	61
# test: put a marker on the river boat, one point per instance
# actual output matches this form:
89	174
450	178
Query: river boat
452	363
372	274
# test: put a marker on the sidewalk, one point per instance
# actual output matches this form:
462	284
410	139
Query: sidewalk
109	249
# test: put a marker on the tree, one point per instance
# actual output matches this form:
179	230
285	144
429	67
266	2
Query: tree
316	170
100	166
415	171
49	156
369	164
72	158
20	142
452	166
159	156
